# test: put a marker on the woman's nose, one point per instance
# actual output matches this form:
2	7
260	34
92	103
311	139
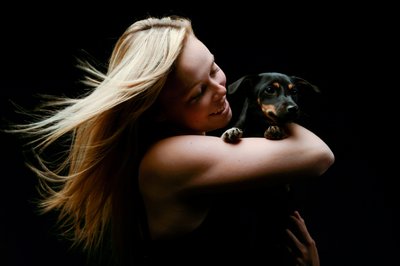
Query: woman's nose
219	92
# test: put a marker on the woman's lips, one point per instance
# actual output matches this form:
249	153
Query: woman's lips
221	109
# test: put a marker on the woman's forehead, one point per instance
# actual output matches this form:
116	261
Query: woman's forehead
193	63
191	67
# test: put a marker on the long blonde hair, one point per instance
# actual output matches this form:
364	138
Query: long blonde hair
101	156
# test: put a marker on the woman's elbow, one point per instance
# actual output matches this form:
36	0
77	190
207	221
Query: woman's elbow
326	158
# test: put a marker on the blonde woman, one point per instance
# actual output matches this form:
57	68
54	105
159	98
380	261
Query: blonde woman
138	175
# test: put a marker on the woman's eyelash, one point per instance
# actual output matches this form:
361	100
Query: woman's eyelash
199	94
203	88
215	69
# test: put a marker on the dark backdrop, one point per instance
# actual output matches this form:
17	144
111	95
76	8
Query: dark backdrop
349	52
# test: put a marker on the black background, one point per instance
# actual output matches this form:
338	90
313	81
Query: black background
349	52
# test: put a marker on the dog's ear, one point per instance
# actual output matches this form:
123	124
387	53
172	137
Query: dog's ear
308	97
237	93
242	83
302	82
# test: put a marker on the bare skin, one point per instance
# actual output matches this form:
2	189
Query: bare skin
203	164
303	246
176	169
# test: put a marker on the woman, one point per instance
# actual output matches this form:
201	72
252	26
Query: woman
139	166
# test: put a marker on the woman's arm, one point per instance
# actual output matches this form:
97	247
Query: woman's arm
205	163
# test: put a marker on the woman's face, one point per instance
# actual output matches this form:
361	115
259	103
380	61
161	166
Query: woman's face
194	97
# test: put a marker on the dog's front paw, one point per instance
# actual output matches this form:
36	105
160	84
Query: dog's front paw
232	135
275	132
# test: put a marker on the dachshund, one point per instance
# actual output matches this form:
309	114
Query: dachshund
270	101
265	102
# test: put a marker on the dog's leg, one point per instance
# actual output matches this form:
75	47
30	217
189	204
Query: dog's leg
275	133
233	134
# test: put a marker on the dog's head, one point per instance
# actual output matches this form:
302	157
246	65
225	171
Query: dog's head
271	93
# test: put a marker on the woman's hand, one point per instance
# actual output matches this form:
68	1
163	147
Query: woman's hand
301	245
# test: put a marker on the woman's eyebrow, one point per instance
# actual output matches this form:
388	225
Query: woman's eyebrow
187	88
212	61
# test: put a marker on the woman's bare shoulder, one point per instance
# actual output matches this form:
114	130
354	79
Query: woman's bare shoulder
181	151
170	164
202	162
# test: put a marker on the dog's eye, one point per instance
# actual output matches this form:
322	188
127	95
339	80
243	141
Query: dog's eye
269	90
293	91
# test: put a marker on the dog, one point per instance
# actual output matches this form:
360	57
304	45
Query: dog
262	104
270	101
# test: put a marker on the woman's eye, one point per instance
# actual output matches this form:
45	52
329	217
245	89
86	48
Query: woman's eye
199	94
214	70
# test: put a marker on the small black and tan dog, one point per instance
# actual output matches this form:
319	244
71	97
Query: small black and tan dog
270	101
261	105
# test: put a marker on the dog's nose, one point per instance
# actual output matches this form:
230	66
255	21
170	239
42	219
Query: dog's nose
292	112
292	109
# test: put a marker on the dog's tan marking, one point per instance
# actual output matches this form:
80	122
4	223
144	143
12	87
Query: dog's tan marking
276	84
269	110
290	86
